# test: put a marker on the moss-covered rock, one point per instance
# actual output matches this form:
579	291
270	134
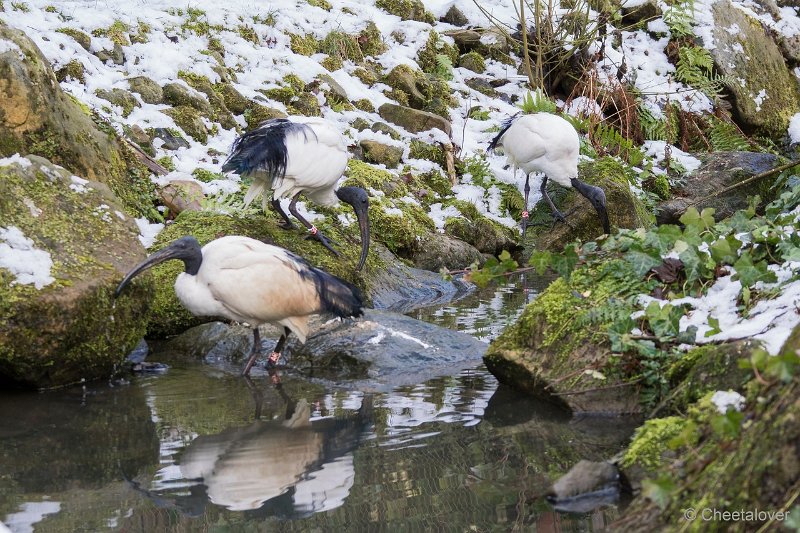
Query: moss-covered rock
472	61
765	95
651	443
305	104
74	70
70	329
418	90
371	41
219	111
625	210
257	113
189	120
438	251
484	234
121	98
235	101
150	91
36	117
548	351
177	95
412	119
305	45
382	154
428	59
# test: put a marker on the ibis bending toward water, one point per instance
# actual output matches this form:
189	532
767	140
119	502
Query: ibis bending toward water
543	142
306	155
245	280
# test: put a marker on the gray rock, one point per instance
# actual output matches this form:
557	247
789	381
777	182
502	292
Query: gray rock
718	171
171	141
455	17
382	154
178	95
643	12
147	89
439	251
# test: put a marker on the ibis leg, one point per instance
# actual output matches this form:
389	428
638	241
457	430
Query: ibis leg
558	215
287	223
313	231
276	352
526	190
253	353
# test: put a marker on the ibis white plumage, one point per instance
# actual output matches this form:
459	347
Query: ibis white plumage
246	280
543	142
305	155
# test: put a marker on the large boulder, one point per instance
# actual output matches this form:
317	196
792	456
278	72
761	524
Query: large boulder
718	171
64	246
412	119
37	117
765	93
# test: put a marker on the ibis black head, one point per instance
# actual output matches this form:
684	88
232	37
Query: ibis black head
597	198
187	249
358	198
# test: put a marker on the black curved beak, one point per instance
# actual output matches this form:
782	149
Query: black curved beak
359	200
597	198
186	249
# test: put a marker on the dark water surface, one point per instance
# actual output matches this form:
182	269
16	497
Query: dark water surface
200	449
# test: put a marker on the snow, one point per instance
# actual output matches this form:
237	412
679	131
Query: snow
725	400
657	150
24	162
148	231
28	264
9	46
30	513
439	215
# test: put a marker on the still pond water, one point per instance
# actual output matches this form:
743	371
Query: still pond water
199	449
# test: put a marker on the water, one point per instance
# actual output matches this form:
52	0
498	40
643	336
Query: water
200	449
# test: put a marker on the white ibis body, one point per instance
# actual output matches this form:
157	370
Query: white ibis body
543	142
305	155
245	280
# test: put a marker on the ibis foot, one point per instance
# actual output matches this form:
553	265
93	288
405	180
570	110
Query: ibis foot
315	234
524	223
287	225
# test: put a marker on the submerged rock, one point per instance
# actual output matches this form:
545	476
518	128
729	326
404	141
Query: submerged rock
378	351
68	329
587	486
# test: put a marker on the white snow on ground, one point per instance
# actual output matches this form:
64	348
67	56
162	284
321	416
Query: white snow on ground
726	399
24	162
19	255
148	231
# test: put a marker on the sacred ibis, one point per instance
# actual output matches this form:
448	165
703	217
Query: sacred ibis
245	280
543	142
305	155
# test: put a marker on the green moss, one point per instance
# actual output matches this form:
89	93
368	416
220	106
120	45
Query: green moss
658	185
371	41
167	162
117	32
366	176
305	104
332	64
364	104
119	97
143	30
472	61
256	113
322	4
651	441
283	95
367	77
437	182
341	45
305	45
406	10
83	39
422	150
188	119
434	46
206	175
248	33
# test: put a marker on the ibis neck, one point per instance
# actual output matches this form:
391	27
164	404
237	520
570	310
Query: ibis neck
191	264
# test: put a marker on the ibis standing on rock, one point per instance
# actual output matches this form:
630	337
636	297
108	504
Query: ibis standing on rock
543	142
305	155
245	280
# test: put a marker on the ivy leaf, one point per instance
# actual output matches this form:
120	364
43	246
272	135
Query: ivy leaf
659	491
790	249
692	265
691	235
728	425
540	260
724	250
702	221
663	238
783	366
664	321
749	273
714	323
641	261
565	263
688	336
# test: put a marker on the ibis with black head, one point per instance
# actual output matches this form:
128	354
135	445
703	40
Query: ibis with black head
547	143
301	156
246	280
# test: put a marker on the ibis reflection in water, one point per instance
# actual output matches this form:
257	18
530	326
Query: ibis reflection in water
543	142
248	281
305	155
286	467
